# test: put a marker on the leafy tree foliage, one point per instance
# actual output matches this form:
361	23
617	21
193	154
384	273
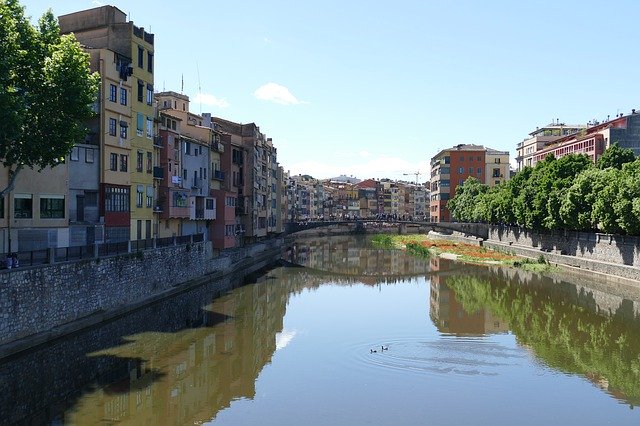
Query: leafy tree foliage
46	91
463	205
566	193
615	157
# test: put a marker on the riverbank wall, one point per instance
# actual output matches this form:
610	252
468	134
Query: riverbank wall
615	255
42	303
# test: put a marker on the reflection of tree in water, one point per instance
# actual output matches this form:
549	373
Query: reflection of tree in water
561	324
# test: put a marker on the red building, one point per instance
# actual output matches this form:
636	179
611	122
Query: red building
451	167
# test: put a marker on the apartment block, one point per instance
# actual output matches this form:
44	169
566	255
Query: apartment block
452	166
594	139
132	154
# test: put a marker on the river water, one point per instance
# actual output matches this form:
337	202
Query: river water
304	345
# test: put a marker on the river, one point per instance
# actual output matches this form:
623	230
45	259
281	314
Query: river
348	334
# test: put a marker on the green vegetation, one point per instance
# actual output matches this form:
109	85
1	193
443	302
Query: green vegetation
567	193
46	91
418	249
562	333
383	240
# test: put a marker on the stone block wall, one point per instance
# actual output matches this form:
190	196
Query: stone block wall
45	298
618	249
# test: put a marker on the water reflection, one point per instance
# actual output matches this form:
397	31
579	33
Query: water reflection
187	359
591	329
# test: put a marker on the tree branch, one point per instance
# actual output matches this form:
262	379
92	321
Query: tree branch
12	180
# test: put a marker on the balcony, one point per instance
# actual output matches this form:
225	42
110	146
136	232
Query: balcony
157	141
157	208
217	146
158	172
218	175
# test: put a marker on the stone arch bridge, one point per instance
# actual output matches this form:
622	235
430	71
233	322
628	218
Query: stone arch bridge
479	230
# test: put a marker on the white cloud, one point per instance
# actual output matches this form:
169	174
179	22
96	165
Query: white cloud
274	92
210	100
284	338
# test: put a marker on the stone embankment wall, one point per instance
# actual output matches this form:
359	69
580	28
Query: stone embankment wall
608	254
41	303
619	249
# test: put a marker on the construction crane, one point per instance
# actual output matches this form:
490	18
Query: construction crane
416	174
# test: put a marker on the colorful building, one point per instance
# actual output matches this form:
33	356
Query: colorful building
451	167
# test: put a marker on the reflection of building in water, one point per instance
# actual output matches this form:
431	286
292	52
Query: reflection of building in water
190	375
345	255
448	314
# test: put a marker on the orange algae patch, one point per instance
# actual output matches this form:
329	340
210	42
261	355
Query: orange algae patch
464	250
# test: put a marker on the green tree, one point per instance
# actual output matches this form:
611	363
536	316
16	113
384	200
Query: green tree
462	205
615	157
576	209
46	92
627	203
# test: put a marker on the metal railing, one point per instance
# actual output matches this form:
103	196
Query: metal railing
74	253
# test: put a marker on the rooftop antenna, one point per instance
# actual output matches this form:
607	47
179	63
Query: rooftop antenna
182	85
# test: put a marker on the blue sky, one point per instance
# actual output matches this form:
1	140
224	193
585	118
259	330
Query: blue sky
375	89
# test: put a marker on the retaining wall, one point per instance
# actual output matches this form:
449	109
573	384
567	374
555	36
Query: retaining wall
618	249
41	303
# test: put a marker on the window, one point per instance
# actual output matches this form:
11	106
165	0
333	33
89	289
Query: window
470	170
479	170
139	124
113	163
140	57
497	161
75	153
2	208
116	199
123	129
123	96
187	148
149	162
496	173
180	199
209	204
22	207
123	162
460	170
149	61
461	159
113	123
52	208
139	161
89	155
113	93
149	128
139	197
149	94
140	90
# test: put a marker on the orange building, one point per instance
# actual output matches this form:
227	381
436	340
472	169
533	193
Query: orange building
452	166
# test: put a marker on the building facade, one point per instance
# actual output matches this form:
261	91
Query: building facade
451	167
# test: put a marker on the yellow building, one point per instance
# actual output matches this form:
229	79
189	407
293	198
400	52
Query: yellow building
126	203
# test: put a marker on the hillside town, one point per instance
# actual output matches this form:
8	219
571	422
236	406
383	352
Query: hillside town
152	168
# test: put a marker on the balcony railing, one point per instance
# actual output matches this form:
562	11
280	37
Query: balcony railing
157	141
